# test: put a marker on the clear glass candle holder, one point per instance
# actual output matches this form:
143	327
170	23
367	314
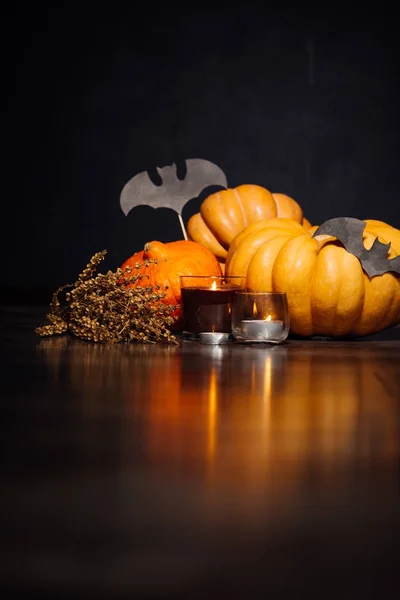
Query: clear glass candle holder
260	317
207	302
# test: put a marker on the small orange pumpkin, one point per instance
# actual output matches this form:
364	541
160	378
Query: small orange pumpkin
182	257
226	213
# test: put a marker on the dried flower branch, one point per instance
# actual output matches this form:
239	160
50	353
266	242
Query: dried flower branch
101	308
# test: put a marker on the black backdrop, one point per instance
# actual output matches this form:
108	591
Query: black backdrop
302	103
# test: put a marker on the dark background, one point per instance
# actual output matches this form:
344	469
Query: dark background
301	102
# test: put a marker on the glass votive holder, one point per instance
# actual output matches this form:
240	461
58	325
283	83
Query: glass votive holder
260	317
207	302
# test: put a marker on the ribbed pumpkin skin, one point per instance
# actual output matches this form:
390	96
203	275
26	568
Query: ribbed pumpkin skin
226	213
306	223
385	230
183	257
328	292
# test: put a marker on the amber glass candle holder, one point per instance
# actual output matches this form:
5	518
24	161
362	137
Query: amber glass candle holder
207	302
260	317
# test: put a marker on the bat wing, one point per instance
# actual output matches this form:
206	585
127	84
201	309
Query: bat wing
349	232
201	174
346	229
139	190
173	192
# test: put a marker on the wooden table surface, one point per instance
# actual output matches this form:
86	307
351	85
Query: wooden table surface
135	471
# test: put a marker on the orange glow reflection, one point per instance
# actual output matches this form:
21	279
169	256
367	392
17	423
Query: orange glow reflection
267	418
276	415
267	384
212	415
247	432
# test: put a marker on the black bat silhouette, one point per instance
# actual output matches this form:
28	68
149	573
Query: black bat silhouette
173	192
349	232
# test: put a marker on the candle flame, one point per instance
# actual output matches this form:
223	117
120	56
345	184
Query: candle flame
268	318
254	309
214	285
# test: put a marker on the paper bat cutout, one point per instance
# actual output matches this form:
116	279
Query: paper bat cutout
350	231
173	192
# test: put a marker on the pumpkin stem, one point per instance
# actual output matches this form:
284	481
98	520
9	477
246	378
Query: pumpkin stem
156	250
323	239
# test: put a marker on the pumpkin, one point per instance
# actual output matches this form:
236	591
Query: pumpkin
182	257
306	223
384	230
226	213
327	289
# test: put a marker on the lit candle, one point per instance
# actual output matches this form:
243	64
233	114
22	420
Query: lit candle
213	337
260	317
261	329
208	309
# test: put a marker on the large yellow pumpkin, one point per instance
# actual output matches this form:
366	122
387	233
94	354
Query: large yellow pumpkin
226	213
328	292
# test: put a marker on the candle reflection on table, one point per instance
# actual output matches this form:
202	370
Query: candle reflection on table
200	405
212	410
230	418
226	415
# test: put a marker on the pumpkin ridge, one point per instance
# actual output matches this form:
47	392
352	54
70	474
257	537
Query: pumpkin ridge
388	308
286	265
358	320
310	304
268	246
338	291
219	200
198	231
252	238
359	327
312	307
240	203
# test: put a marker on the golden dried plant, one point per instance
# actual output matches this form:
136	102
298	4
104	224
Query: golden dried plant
101	308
